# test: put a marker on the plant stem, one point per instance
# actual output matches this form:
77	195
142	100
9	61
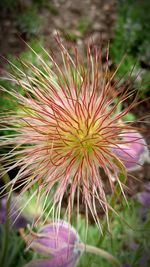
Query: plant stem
113	201
6	233
6	180
99	252
110	214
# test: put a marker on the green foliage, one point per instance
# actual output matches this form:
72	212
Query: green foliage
129	117
132	28
127	231
46	4
7	102
9	4
19	5
79	32
33	52
83	25
70	35
132	39
127	239
29	22
16	254
40	3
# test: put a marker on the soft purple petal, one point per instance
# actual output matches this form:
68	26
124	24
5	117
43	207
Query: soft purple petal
55	262
61	229
57	240
39	263
133	152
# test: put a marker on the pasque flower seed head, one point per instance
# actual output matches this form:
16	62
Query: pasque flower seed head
66	128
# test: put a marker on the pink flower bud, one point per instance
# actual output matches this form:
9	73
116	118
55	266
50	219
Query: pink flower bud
56	241
133	150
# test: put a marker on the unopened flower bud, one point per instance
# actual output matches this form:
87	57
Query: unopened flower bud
56	241
61	247
133	150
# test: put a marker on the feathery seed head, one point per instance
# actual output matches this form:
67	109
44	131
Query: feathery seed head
66	128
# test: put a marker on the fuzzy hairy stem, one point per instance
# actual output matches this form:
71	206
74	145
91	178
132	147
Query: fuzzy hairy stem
99	252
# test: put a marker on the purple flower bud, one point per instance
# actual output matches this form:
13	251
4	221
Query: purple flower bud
147	187
144	260
144	197
133	150
134	246
56	241
16	220
50	263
